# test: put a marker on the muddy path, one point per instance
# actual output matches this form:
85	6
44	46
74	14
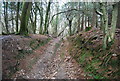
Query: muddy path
55	63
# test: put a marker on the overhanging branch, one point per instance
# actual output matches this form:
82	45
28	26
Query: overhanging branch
62	12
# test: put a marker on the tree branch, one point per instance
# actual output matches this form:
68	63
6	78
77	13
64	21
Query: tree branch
98	12
62	12
61	31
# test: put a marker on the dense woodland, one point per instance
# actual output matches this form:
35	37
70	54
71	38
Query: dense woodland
61	19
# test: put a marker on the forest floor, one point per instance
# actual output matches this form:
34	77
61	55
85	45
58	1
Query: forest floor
76	57
25	57
54	63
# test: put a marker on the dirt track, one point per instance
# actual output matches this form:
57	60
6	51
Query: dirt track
55	63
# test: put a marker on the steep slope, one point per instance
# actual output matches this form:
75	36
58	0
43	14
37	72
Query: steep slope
17	49
86	48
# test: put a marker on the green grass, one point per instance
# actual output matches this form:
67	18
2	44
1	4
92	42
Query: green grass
12	70
34	45
95	61
92	66
88	29
22	53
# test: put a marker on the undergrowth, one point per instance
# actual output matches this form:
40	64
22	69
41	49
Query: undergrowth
37	43
23	53
96	62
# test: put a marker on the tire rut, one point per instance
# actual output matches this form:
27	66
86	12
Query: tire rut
40	69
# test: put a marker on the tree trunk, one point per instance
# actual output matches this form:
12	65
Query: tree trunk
82	24
46	18
6	16
48	23
78	27
70	25
96	21
94	18
35	23
32	22
114	20
85	22
57	22
101	22
25	17
12	21
34	29
41	22
88	21
41	17
56	26
17	16
105	24
118	17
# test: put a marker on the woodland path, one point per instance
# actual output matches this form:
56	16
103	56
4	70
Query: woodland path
55	63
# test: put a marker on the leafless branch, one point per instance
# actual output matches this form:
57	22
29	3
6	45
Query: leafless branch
62	12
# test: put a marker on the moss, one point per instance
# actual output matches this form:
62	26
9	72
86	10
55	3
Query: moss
88	29
89	66
12	70
37	43
90	58
22	53
93	70
114	63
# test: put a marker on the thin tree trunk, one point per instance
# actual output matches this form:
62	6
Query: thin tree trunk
118	18
12	21
70	25
35	20
6	16
105	25
56	25
114	20
88	21
82	24
35	23
85	22
48	23
46	18
41	17
17	16
41	22
32	22
78	27
94	18
101	22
